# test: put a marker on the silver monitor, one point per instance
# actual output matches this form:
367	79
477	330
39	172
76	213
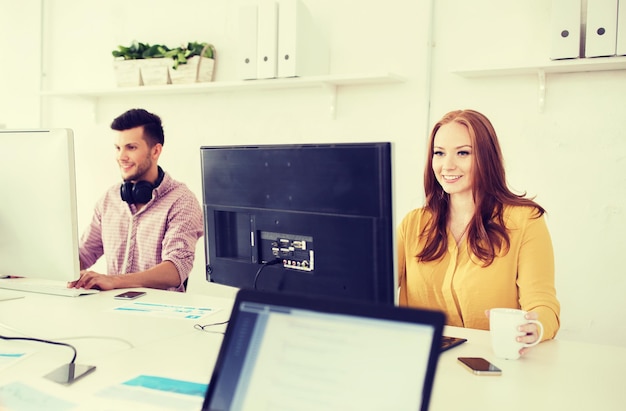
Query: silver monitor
38	217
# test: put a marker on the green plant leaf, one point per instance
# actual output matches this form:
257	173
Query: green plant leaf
132	52
180	55
154	51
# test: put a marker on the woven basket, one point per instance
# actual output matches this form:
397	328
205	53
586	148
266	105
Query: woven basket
197	70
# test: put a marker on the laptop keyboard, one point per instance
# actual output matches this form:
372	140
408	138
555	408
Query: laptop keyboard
33	285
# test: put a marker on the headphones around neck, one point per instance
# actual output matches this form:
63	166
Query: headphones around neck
141	191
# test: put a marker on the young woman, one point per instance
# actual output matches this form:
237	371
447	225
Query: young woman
475	245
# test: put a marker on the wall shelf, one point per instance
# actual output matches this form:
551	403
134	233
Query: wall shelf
555	66
329	82
580	65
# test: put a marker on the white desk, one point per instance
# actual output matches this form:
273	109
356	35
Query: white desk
556	375
121	345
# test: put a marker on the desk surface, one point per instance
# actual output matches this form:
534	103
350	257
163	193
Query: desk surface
555	375
123	345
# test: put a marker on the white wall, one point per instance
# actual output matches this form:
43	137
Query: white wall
372	113
20	66
570	155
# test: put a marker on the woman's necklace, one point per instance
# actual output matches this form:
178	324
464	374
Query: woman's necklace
458	237
461	212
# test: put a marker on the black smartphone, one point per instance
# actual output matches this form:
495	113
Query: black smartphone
129	295
479	366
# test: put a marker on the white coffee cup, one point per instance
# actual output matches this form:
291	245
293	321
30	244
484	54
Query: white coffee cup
504	326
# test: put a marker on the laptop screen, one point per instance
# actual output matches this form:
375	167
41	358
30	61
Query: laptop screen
285	353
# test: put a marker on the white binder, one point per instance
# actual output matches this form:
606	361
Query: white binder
267	36
247	41
621	29
565	23
302	50
601	33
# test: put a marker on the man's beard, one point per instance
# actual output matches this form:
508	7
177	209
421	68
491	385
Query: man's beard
142	170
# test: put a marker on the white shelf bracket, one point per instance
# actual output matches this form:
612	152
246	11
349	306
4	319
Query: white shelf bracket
332	97
542	89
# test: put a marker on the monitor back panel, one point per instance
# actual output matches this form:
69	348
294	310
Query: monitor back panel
324	210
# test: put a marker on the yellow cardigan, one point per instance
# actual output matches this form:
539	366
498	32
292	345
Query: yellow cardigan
463	289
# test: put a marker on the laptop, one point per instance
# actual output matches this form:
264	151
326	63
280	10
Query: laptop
287	352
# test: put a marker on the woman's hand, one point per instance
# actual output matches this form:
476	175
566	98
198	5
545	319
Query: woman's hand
531	330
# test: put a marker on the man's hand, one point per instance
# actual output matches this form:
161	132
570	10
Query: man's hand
91	279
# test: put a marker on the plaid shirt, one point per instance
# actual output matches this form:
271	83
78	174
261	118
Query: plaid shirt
167	228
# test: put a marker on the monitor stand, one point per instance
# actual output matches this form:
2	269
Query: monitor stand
68	373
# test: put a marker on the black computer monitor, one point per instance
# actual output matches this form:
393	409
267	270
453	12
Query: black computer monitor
301	218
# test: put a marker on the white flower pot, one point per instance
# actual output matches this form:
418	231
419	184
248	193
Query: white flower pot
155	71
127	73
196	70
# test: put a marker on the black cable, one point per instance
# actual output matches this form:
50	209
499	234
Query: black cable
204	327
42	341
256	276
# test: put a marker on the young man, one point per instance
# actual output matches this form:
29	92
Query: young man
148	227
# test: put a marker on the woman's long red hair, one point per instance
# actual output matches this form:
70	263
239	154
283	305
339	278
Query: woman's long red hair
487	233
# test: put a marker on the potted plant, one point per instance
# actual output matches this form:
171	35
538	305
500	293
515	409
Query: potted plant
141	64
193	62
155	65
126	64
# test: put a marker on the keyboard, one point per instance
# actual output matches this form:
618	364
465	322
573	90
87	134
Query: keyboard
4	296
449	342
35	285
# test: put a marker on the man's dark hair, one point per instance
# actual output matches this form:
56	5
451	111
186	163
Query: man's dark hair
138	117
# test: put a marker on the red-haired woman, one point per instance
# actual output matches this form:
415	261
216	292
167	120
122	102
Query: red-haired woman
475	245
